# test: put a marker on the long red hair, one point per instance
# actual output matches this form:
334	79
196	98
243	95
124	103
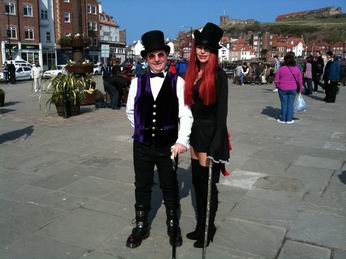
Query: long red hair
207	90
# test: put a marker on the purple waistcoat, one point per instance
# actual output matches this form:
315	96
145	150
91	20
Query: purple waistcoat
156	122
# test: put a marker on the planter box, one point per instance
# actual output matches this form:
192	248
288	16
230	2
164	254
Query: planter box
80	69
73	109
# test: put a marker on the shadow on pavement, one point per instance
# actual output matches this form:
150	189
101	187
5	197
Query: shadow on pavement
317	98
184	186
11	103
271	112
342	177
6	110
16	134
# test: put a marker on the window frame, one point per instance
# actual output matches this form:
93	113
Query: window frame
30	31
9	9
26	7
69	17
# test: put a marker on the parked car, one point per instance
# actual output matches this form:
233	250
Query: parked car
60	69
23	73
19	63
97	69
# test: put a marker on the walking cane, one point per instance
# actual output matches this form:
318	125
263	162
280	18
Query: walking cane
174	158
204	250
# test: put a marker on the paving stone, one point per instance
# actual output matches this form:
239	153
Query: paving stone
297	250
318	162
278	183
60	200
57	181
319	228
36	247
265	166
96	255
333	200
23	219
84	228
242	179
256	210
339	254
250	237
90	187
271	195
24	193
315	179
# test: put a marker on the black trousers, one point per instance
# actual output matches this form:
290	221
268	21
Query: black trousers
331	90
145	159
113	93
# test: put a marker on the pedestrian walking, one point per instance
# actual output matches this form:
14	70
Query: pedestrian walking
5	71
162	122
12	72
288	80
331	77
317	70
206	92
36	74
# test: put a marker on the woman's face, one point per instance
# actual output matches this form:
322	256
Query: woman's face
203	54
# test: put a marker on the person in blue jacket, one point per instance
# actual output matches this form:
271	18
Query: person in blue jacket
331	77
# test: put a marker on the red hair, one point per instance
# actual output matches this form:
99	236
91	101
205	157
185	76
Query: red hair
207	86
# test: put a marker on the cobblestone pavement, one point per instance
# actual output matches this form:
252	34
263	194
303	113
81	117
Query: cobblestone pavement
66	185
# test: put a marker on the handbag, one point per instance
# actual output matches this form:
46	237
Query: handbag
299	104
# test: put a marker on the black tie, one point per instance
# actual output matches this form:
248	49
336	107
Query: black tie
157	75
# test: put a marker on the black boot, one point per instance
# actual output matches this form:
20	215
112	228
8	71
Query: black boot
213	204
173	229
141	231
194	235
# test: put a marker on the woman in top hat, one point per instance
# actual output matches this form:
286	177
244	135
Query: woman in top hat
206	93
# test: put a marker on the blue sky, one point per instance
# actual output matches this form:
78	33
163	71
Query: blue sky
139	16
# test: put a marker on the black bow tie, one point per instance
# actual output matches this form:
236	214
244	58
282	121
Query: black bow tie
161	74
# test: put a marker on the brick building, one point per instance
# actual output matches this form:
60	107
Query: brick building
20	33
88	11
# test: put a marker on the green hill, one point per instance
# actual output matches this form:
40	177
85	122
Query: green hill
330	29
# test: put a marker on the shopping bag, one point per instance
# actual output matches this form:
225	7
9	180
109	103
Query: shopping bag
299	104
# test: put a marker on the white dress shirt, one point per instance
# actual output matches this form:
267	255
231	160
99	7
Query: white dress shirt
185	115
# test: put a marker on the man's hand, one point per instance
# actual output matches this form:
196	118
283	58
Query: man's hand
178	149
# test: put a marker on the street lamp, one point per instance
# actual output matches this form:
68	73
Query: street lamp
9	32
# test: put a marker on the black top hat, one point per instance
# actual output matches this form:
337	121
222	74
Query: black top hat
209	36
153	40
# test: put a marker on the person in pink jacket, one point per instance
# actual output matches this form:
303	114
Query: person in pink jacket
288	81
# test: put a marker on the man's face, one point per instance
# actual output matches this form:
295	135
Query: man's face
157	60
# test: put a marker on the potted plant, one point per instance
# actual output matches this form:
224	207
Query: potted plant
2	97
67	92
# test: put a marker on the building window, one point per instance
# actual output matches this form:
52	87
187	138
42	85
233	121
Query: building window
93	8
92	26
29	33
10	8
44	15
89	8
12	32
95	41
67	1
67	17
28	10
48	38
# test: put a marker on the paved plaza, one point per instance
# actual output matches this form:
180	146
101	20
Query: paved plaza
66	185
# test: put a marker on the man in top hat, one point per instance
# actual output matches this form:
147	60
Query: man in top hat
162	123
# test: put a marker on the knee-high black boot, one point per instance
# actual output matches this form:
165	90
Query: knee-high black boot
141	231
173	229
213	203
194	235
